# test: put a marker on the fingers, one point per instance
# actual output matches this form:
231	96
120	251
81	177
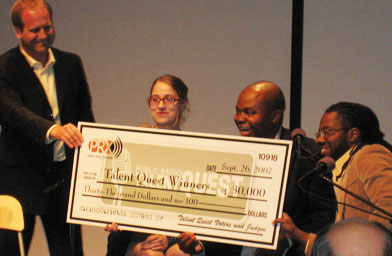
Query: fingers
154	238
111	227
285	218
188	243
185	238
69	134
155	243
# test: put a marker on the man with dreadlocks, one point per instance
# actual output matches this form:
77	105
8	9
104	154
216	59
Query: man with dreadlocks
350	134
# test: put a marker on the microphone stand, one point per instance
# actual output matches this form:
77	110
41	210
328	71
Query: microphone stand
359	198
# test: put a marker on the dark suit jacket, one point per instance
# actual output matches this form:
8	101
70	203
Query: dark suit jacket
25	117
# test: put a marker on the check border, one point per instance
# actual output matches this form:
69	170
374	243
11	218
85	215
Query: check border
257	241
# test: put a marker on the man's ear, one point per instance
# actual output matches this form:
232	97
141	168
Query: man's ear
277	115
354	135
18	32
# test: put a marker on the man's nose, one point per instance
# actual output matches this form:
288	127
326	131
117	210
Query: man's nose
42	34
320	139
239	117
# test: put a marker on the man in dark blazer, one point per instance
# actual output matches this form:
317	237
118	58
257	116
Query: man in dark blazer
43	95
259	113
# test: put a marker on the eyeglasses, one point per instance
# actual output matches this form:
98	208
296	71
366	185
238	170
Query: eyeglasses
326	132
166	100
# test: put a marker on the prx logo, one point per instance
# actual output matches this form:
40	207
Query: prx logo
102	146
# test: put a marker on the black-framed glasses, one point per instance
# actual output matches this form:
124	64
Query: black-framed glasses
326	132
166	100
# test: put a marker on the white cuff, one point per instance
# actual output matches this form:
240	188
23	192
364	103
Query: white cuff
49	140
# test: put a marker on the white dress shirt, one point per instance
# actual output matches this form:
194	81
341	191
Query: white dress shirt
48	82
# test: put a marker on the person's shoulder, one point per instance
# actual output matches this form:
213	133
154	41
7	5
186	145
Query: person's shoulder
370	154
285	134
374	149
11	53
369	159
11	61
60	54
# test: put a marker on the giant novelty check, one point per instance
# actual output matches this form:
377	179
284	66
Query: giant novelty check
223	188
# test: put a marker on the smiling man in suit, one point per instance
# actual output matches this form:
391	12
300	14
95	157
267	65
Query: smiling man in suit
259	113
43	94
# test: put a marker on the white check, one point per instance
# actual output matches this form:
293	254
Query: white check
223	188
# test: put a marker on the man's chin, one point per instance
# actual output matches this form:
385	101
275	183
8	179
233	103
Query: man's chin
41	49
246	133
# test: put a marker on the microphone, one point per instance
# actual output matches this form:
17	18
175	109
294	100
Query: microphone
301	147
325	165
297	135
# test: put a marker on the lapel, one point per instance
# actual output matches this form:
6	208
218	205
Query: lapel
285	134
60	77
31	82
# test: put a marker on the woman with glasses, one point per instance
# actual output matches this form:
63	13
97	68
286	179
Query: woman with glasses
168	104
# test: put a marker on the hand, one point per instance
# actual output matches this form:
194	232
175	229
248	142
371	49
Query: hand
67	133
111	227
155	243
290	230
188	243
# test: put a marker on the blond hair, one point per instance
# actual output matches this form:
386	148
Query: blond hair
20	5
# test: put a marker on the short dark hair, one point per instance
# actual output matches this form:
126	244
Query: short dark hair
361	117
20	5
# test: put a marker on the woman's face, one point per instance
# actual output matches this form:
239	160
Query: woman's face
165	113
